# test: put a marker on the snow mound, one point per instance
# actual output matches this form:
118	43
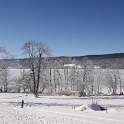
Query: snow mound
113	94
93	106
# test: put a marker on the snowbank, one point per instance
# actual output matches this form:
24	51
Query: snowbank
88	107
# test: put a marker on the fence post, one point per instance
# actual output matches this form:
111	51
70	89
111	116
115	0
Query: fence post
22	104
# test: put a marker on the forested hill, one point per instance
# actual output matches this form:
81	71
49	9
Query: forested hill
104	61
101	57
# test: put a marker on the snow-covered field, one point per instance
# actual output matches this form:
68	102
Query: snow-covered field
59	110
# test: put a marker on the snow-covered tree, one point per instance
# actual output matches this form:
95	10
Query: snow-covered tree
113	80
4	69
87	77
98	75
57	78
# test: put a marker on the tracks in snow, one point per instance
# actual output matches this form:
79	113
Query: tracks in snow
29	115
76	117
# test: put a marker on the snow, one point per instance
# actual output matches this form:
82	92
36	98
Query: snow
59	109
16	72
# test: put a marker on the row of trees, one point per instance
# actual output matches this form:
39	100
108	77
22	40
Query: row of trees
39	77
4	67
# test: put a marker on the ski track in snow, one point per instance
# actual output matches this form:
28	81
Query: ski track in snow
28	115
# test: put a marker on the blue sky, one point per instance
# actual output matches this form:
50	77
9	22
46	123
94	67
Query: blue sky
68	27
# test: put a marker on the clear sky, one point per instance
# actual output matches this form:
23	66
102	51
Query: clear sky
68	27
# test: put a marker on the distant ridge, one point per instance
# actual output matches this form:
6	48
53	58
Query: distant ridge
103	60
102	56
91	57
96	57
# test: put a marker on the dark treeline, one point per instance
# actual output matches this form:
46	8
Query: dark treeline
104	61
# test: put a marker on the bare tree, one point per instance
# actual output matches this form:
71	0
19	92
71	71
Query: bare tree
116	74
87	77
98	80
73	78
113	80
66	61
4	68
57	76
120	81
36	52
4	79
